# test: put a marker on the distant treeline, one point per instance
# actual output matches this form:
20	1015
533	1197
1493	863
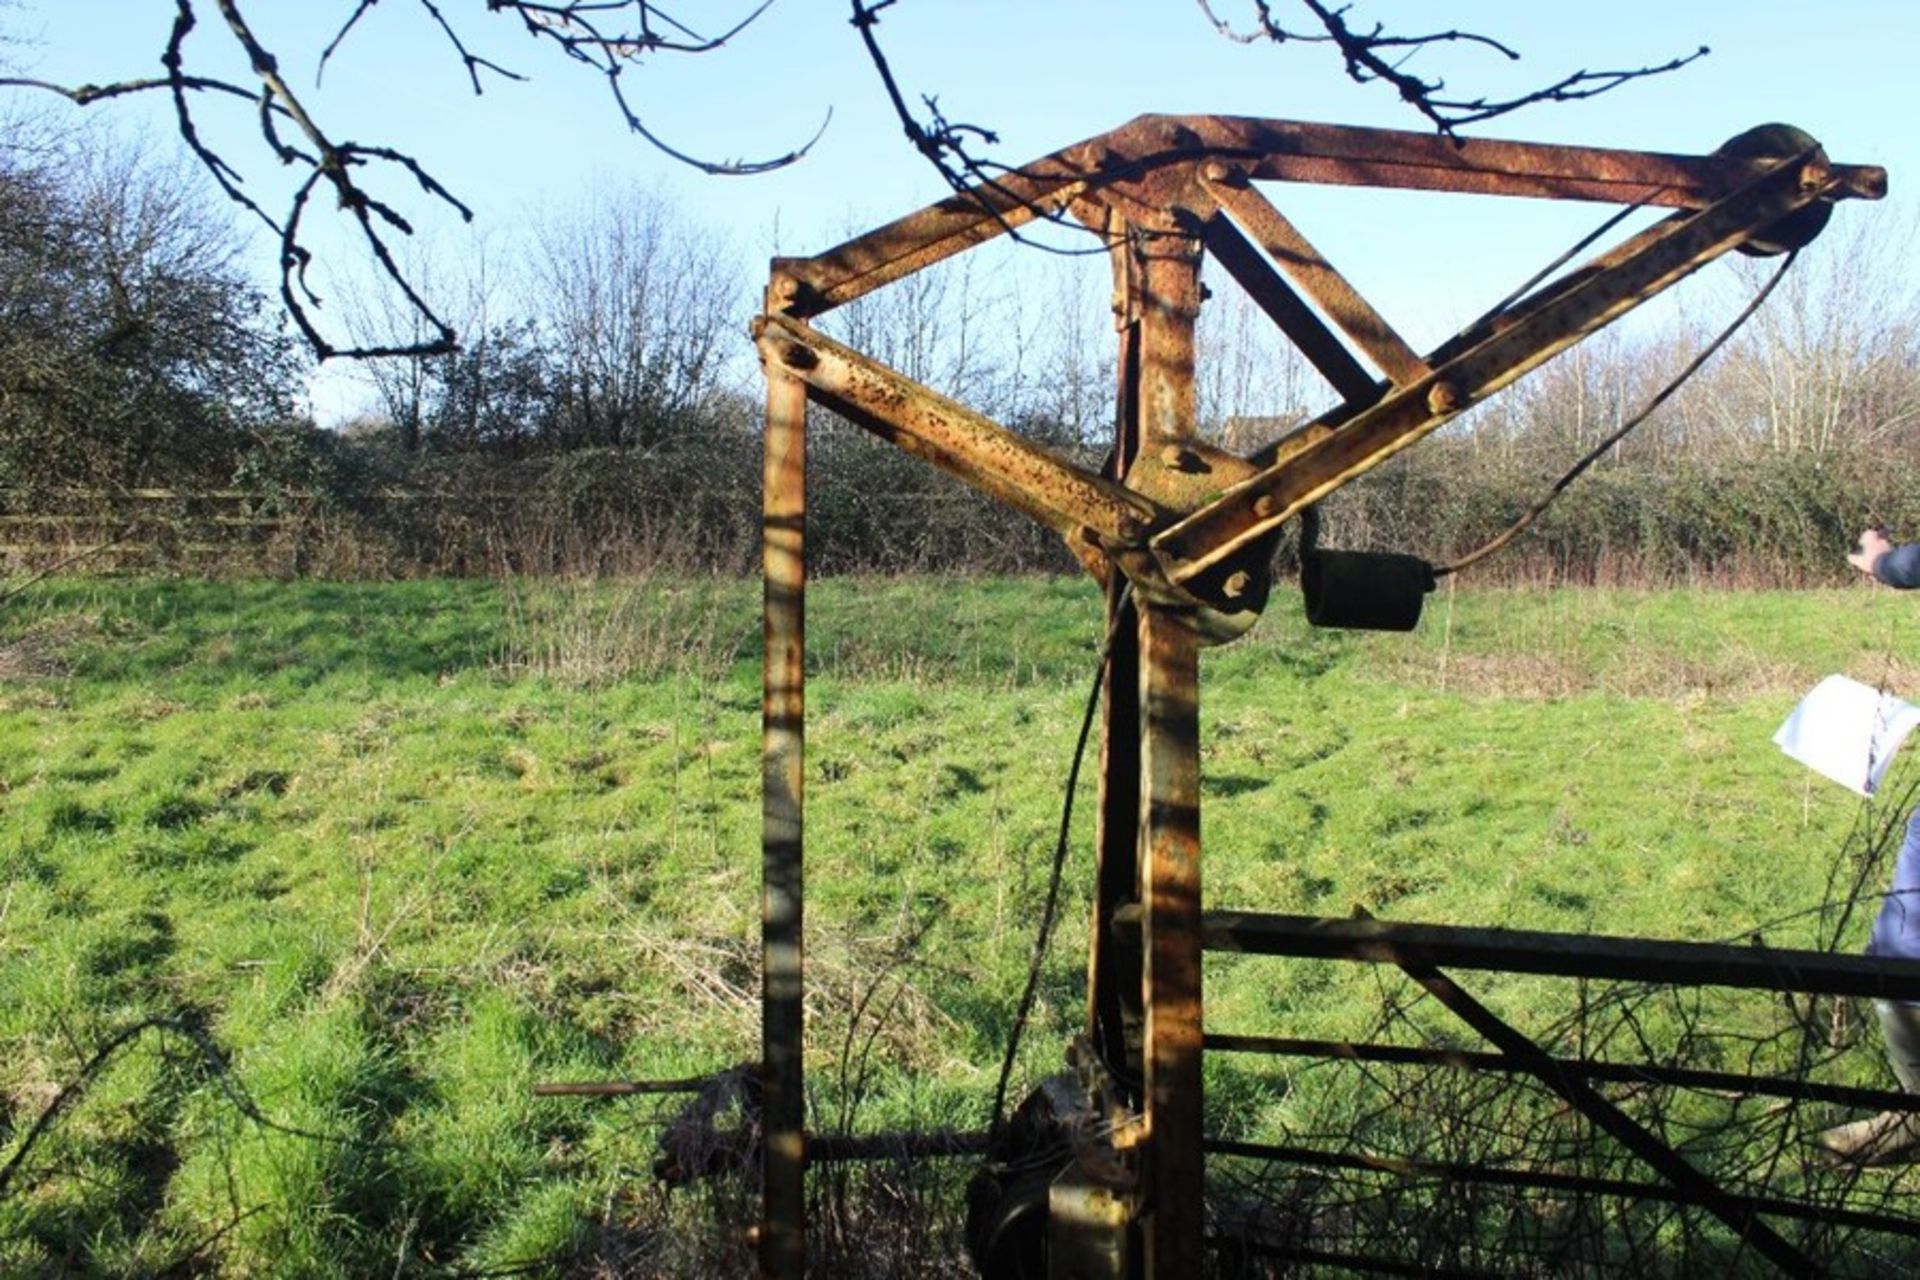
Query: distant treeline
693	507
602	412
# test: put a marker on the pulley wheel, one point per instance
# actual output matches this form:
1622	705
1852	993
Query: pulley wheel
1007	1196
1797	229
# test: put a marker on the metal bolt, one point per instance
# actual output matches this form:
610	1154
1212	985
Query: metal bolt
1237	583
1174	456
1215	171
1263	506
798	355
1443	397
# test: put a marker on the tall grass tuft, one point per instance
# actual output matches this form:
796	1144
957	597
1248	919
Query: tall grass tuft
592	632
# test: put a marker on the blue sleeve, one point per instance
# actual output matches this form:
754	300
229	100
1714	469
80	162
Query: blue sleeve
1896	929
1899	567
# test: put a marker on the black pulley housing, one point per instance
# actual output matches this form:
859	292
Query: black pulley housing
1797	229
1360	590
1365	590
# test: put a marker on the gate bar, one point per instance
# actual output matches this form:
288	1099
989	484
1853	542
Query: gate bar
1547	1180
1587	1068
1738	1212
1566	955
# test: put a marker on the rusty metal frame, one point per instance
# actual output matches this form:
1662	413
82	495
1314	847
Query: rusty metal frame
783	793
1177	532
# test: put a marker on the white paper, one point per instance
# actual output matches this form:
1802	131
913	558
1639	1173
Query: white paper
1848	731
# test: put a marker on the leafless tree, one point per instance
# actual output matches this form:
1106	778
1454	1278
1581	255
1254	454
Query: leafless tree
473	290
133	351
1838	362
633	303
1064	362
933	326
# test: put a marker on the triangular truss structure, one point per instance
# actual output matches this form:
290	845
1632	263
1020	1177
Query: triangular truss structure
1181	534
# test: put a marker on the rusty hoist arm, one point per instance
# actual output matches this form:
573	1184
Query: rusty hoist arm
1222	156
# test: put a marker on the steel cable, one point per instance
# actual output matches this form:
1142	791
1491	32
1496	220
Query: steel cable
1049	915
1600	450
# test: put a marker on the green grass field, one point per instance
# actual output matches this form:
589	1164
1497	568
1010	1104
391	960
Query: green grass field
383	856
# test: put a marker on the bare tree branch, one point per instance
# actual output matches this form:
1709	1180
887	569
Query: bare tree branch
614	38
610	36
949	145
1367	57
944	142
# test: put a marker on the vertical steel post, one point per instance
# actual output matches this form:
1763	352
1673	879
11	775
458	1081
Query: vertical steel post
1170	874
1173	1227
783	1251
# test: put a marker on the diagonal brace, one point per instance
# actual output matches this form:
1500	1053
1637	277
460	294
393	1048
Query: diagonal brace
964	444
1309	269
1292	316
1738	1212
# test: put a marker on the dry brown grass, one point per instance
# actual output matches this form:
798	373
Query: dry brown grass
48	648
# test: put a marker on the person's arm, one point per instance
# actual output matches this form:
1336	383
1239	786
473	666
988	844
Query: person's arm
1879	558
1899	567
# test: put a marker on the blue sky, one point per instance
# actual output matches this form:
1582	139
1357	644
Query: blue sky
1044	75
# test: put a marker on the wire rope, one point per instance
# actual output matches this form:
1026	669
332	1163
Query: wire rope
1620	433
1049	915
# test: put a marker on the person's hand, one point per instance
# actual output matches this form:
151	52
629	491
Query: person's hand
1873	545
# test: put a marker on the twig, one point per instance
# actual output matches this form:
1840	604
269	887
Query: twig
182	1026
608	35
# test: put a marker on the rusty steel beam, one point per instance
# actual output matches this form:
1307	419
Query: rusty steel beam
1169	305
1548	1180
1565	955
1585	1068
616	1088
1339	155
808	287
1737	1212
1329	457
1166	266
1279	150
954	438
1309	269
783	790
1174	1222
1290	315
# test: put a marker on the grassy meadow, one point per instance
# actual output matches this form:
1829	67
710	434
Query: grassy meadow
376	858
